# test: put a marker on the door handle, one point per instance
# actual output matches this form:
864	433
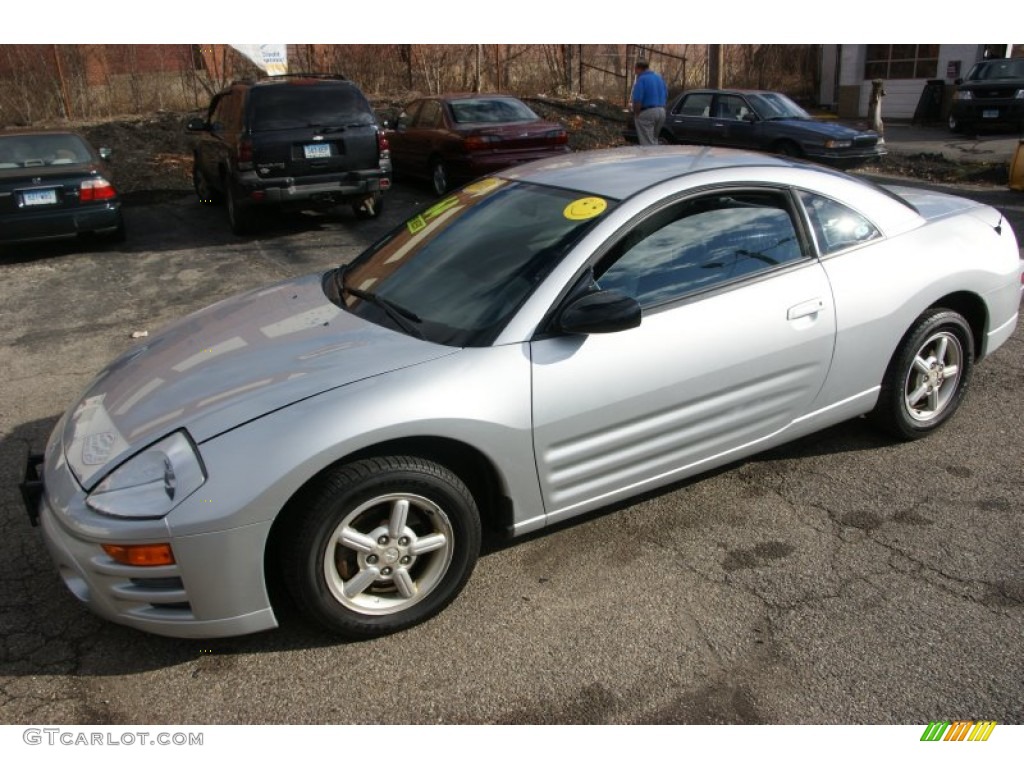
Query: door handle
805	309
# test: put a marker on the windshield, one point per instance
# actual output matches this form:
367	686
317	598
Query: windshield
277	107
485	110
998	69
456	273
775	106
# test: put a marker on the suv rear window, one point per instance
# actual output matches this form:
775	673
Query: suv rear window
298	106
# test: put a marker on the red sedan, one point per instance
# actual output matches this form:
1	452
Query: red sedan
459	137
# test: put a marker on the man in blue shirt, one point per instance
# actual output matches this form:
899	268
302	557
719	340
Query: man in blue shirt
649	97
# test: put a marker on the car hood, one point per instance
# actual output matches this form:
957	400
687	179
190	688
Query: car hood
227	364
824	129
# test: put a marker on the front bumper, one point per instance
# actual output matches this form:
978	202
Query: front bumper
847	158
980	111
215	588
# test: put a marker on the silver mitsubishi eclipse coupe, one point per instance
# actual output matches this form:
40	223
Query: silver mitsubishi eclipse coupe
545	341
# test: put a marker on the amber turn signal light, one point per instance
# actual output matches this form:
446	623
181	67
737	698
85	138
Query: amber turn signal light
140	554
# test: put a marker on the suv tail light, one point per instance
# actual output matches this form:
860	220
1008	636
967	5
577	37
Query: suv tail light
382	144
245	154
93	190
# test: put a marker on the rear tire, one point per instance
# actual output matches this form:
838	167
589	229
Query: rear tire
439	177
956	125
240	215
927	377
381	544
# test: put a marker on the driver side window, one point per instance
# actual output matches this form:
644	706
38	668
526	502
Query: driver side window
701	243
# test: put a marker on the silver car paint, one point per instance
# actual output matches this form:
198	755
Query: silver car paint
226	364
599	412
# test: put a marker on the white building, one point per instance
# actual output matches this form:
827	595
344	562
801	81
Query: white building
847	72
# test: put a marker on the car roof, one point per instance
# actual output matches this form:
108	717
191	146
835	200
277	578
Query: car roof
745	91
460	95
624	171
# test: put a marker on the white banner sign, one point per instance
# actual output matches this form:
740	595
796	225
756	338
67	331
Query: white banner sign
272	59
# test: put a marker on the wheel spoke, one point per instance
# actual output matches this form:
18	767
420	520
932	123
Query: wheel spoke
921	364
353	539
358	583
940	350
950	371
915	397
403	581
933	400
428	543
399	514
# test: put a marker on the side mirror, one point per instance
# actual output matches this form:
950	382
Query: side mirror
750	117
196	124
600	312
105	153
958	81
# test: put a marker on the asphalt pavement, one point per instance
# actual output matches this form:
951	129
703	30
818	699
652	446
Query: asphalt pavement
907	139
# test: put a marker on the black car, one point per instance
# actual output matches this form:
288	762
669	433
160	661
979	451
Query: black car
53	184
991	94
766	121
299	141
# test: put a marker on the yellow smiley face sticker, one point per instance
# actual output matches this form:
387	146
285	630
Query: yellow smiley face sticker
585	208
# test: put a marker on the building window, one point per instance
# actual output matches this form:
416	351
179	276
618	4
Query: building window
901	62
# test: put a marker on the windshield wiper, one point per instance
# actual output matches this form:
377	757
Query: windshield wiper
400	316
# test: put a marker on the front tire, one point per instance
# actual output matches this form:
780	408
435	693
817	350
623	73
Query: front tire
204	192
956	125
928	376
788	149
382	544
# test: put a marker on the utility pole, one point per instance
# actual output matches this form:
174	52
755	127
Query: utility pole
716	66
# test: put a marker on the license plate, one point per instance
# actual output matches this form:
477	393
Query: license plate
990	114
39	197
317	150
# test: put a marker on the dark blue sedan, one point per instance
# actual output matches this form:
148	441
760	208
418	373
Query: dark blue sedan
765	121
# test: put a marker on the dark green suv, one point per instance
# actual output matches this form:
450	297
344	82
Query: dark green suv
298	141
991	94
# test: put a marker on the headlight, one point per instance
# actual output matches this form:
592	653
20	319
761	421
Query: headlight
838	144
151	483
962	95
